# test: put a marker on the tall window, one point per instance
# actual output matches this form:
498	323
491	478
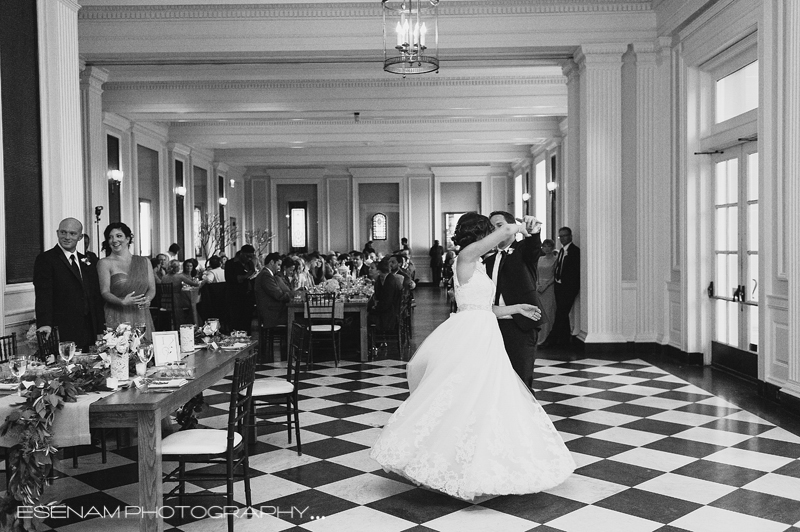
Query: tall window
197	220
379	226
541	195
518	203
145	229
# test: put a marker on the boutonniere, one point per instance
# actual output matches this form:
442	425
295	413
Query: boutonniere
85	260
510	251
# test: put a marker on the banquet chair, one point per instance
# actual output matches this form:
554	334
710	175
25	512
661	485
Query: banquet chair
396	333
8	346
407	314
320	314
48	345
272	393
166	305
228	447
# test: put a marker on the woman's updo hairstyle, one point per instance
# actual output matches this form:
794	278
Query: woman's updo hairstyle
122	227
471	227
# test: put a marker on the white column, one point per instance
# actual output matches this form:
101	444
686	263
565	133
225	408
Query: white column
95	164
790	148
653	228
568	191
62	168
601	169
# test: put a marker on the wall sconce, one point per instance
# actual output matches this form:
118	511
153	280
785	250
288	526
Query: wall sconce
223	201
552	186
525	196
233	183
180	191
115	175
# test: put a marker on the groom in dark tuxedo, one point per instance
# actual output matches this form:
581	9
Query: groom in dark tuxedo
513	270
67	289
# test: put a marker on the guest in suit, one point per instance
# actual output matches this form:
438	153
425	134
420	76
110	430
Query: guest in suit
357	266
513	270
384	307
396	262
239	271
67	289
436	254
567	285
272	292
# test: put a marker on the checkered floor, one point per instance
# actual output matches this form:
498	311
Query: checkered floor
653	452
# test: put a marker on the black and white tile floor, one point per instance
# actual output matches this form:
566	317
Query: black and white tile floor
654	453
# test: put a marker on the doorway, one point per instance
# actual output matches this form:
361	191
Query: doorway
735	286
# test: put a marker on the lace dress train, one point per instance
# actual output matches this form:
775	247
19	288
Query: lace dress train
470	426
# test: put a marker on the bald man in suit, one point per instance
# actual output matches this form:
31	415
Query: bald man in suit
67	289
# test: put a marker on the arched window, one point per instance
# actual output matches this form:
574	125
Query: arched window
379	226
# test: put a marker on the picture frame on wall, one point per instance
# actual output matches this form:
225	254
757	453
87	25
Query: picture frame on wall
166	347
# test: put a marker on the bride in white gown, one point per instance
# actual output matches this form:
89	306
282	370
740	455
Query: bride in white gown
470	426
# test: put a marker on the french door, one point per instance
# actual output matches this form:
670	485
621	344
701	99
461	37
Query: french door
735	252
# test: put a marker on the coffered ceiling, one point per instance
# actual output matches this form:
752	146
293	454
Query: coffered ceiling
266	84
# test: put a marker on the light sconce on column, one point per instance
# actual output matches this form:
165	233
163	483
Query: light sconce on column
180	191
223	201
552	186
115	175
525	196
233	183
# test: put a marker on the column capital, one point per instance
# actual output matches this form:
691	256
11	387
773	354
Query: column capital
651	51
570	70
220	168
600	54
93	77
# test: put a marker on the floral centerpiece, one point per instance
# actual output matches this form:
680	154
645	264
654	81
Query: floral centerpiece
209	334
118	349
345	287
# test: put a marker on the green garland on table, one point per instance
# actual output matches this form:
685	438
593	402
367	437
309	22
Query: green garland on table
32	458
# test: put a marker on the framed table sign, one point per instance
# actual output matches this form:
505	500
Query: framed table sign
166	347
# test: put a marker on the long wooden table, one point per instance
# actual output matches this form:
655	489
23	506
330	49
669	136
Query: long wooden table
132	408
360	306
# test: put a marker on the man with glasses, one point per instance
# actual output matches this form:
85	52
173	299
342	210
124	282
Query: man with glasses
67	289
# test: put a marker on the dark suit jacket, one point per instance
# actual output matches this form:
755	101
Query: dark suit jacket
571	271
388	295
272	293
517	278
364	270
65	301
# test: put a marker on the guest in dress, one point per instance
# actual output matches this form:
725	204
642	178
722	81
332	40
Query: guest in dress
181	297
127	283
547	297
214	272
303	279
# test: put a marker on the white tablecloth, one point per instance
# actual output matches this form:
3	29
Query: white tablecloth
70	425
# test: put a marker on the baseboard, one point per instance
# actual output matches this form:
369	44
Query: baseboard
638	348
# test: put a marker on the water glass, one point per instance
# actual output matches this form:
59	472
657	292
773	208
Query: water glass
66	350
18	365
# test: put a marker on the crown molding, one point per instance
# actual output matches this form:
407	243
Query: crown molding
227	124
332	83
355	10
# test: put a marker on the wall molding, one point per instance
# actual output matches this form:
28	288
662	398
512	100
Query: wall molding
355	10
227	124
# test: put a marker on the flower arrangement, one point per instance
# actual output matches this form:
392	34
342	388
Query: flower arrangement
31	460
118	349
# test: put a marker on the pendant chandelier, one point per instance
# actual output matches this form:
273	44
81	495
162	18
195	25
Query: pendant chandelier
414	47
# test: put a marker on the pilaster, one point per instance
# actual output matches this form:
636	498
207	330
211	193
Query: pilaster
600	178
62	165
568	197
653	226
95	180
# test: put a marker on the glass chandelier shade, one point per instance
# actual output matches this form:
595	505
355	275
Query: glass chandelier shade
410	36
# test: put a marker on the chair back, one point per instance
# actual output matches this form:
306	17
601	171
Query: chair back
299	348
320	308
167	299
8	347
48	345
244	372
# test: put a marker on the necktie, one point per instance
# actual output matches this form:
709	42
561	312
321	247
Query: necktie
75	267
559	261
501	254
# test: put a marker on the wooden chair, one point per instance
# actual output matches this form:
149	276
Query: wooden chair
274	392
266	342
166	305
320	313
227	447
8	347
397	333
48	345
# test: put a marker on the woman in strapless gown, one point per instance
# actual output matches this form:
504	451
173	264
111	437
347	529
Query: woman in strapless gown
127	282
470	427
546	270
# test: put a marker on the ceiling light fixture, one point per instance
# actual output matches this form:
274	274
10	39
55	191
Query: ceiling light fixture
416	27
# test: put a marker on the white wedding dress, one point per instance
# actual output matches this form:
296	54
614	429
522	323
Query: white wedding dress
470	426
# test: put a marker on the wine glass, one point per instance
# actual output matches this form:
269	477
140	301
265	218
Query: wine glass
145	353
140	328
66	350
18	365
